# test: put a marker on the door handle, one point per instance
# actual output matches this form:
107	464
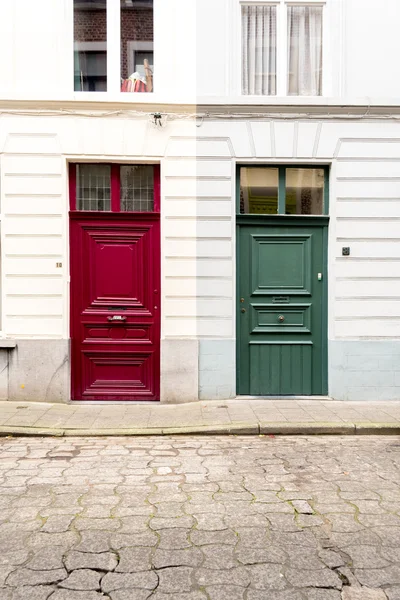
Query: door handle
281	318
116	318
243	310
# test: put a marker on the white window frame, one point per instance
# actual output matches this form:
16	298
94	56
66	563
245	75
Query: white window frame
330	77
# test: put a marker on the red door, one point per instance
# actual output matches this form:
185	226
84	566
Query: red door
115	285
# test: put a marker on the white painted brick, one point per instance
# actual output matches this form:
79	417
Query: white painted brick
198	327
33	185
199	148
262	138
19	305
41	327
354	268
202	268
202	307
113	131
176	188
27	266
34	205
368	189
197	188
368	229
368	208
204	208
34	245
32	143
134	135
155	141
196	228
197	168
180	268
367	149
368	328
367	308
200	248
370	249
34	285
197	287
306	137
37	225
367	169
45	165
235	131
284	136
379	288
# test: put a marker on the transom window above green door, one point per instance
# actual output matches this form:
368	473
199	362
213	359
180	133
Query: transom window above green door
283	190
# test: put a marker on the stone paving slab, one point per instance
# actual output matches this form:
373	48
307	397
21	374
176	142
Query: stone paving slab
240	416
200	518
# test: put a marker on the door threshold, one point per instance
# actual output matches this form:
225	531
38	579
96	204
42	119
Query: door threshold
112	402
277	398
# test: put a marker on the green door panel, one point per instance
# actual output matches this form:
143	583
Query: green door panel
282	331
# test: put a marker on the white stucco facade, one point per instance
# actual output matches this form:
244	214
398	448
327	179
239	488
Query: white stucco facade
208	130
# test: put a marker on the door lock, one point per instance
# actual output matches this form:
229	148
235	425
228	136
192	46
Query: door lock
116	318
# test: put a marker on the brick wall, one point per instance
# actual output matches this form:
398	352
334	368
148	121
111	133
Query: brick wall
90	25
137	24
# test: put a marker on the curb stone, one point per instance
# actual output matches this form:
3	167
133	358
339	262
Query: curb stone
252	428
308	428
377	429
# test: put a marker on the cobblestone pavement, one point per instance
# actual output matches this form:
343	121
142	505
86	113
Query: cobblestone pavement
200	518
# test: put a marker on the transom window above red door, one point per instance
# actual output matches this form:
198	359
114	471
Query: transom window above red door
114	188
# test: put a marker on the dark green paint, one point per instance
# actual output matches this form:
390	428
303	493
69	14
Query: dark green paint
281	259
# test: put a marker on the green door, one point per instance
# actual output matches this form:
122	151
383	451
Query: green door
282	330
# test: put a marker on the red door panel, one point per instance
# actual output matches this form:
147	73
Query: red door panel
115	306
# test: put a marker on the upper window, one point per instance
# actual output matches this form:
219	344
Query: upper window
136	45
286	58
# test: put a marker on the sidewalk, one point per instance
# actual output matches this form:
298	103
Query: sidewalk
250	416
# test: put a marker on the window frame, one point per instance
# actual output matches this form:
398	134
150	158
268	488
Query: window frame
115	188
282	188
282	47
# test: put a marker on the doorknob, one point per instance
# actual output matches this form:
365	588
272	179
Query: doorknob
243	310
281	318
117	318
